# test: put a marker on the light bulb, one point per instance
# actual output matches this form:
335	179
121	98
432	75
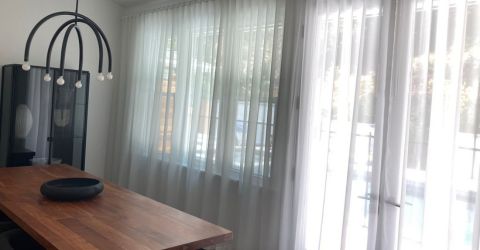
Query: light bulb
47	77
26	66
78	84
60	81
109	76
100	77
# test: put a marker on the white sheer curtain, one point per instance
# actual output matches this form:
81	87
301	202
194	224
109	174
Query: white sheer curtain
38	96
440	194
196	113
343	71
389	121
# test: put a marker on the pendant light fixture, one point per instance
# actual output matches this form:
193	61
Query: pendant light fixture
68	26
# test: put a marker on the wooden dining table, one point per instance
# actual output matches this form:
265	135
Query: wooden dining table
115	219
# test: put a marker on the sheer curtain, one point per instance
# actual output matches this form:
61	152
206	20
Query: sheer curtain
196	113
388	154
441	169
38	96
345	61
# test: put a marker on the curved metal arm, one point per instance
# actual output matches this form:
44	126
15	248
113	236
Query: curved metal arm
64	48
83	19
80	47
60	29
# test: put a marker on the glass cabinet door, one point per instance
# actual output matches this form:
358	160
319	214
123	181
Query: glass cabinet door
42	122
69	121
25	122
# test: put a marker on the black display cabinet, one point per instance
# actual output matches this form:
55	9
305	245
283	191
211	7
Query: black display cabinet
42	122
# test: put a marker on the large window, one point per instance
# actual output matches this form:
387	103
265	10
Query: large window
213	96
460	70
443	84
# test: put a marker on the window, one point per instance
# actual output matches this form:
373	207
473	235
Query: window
439	57
193	74
462	51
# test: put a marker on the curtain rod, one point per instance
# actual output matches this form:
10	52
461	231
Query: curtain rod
159	6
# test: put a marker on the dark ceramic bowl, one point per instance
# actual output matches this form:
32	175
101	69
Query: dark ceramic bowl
71	189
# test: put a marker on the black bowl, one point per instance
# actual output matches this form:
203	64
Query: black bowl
71	189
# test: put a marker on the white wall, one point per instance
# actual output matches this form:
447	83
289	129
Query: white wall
17	17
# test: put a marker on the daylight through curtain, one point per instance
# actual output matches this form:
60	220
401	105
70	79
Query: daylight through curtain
389	122
196	113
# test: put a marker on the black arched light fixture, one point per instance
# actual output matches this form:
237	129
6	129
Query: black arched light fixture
69	26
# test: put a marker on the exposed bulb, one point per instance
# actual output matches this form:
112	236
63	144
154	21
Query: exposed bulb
109	76
78	84
60	81
47	77
100	77
26	66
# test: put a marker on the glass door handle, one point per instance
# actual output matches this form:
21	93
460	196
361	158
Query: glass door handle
395	204
389	202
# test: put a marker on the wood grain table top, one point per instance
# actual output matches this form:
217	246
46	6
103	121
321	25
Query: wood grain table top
116	219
